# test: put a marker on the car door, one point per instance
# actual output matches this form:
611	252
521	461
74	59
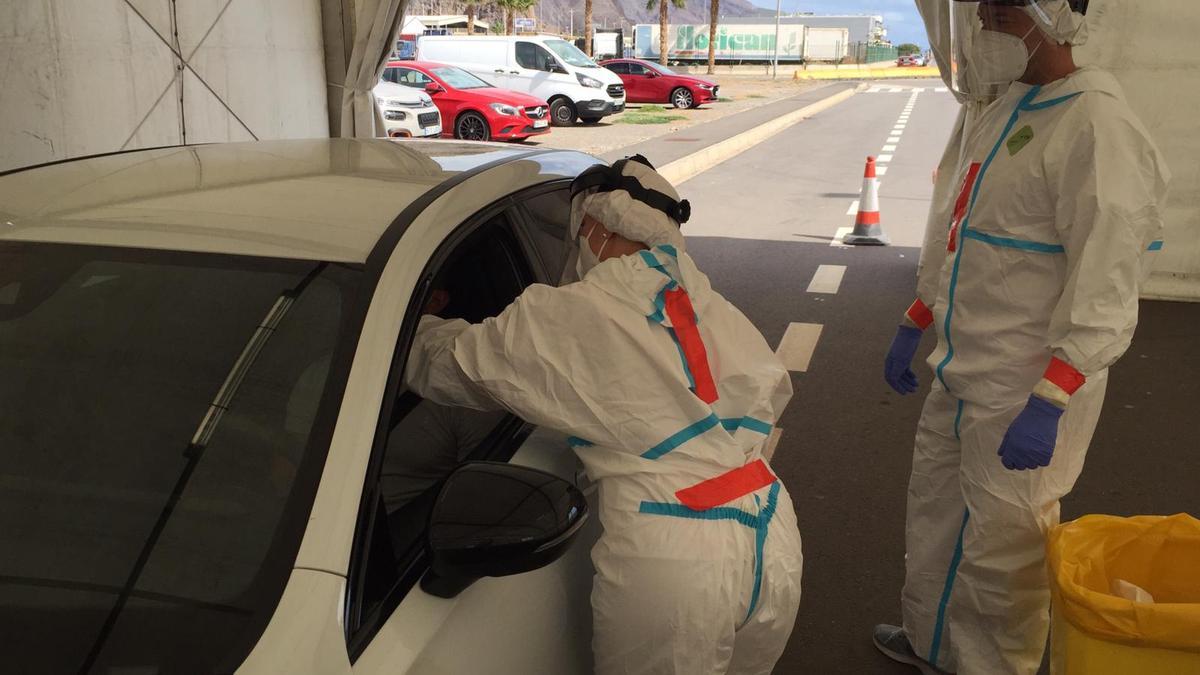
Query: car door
537	622
647	86
532	72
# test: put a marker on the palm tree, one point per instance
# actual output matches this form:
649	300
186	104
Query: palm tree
662	24
471	7
587	27
714	8
511	7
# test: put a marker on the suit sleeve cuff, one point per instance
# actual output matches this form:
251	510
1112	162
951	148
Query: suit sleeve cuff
1059	382
919	315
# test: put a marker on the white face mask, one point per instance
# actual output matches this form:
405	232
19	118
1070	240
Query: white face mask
999	58
587	259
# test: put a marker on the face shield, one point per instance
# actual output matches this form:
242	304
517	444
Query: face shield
988	39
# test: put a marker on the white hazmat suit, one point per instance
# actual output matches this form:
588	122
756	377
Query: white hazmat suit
1030	278
669	394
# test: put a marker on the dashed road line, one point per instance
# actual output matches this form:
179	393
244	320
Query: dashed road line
893	139
889	148
839	238
827	279
883	158
853	210
881	171
798	344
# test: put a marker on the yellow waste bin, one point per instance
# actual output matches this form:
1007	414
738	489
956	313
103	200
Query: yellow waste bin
1096	631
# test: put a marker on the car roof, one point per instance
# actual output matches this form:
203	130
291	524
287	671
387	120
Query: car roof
320	199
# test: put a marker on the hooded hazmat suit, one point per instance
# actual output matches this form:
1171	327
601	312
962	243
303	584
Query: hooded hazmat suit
1045	217
669	394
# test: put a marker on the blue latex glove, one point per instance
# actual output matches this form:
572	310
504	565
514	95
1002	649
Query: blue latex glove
897	367
1029	442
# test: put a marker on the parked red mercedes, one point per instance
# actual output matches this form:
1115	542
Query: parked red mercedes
472	109
647	82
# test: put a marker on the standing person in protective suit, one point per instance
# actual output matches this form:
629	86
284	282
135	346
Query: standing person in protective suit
1029	278
669	394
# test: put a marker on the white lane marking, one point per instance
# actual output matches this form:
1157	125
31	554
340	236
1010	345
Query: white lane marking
918	90
827	279
839	238
900	127
889	148
853	210
881	171
893	139
941	90
772	444
883	158
798	344
875	90
897	90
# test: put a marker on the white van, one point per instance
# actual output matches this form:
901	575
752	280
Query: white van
544	66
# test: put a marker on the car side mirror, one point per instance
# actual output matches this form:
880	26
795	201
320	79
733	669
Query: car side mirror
651	74
555	68
433	88
493	519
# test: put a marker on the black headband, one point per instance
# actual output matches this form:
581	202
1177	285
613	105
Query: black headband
611	179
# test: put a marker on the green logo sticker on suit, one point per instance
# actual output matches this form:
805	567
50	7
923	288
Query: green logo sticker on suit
1020	139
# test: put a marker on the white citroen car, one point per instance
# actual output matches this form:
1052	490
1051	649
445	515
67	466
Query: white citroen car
208	460
407	112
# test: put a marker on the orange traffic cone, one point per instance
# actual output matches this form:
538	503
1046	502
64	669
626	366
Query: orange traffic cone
867	228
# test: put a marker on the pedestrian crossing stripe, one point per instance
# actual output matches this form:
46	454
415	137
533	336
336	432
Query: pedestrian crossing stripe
888	89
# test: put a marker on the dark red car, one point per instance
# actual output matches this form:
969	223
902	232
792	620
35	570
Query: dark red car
647	82
472	109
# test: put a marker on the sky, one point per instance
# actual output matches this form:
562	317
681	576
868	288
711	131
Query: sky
899	16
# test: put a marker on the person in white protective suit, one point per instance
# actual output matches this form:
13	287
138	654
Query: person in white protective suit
1029	278
669	395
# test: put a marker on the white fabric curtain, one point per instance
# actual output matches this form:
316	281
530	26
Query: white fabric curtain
377	23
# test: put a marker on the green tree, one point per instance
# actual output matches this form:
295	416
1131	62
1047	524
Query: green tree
511	7
714	8
907	48
471	7
663	23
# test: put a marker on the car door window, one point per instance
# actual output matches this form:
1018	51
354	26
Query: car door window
618	68
547	217
637	69
389	74
412	78
419	442
533	57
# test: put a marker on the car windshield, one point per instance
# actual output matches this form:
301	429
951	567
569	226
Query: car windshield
165	421
660	68
459	78
570	53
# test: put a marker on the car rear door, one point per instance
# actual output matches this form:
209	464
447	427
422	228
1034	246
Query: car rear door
537	622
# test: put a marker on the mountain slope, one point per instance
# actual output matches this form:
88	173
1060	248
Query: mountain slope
625	13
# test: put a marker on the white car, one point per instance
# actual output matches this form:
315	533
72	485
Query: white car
407	112
544	66
208	460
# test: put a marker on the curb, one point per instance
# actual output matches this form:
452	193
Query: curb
700	161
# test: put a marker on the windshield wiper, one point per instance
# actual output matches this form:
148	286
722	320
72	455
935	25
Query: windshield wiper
195	449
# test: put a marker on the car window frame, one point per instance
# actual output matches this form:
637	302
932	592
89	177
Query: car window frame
546	274
400	72
548	56
360	630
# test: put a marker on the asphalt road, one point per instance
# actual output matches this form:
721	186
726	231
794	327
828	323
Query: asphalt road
762	228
